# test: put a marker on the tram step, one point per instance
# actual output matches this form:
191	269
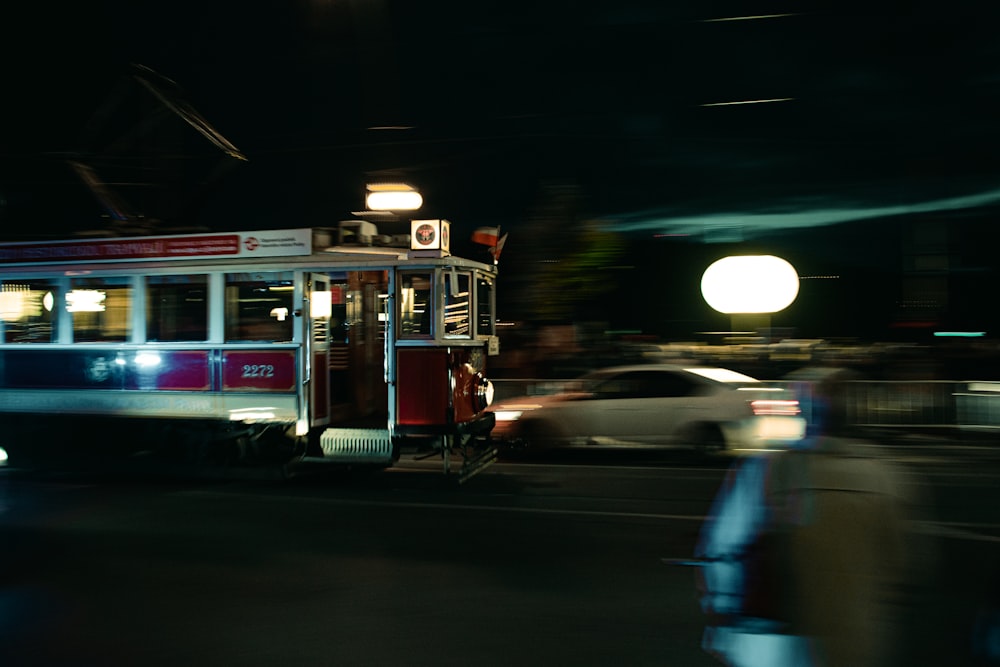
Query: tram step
356	445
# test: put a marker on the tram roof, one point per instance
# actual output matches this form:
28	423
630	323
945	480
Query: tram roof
283	249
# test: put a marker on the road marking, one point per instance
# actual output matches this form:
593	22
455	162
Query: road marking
425	505
951	530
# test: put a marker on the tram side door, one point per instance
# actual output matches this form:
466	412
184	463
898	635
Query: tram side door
320	311
367	341
346	347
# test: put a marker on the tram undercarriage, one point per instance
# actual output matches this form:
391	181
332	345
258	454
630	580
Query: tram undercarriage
473	455
80	442
90	442
464	452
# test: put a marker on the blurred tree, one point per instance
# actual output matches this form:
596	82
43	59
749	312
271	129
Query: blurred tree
565	261
574	288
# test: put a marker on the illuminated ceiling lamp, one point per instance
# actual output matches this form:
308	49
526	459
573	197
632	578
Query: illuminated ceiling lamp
392	197
750	284
85	301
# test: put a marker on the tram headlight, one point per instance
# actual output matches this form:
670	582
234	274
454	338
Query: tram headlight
484	393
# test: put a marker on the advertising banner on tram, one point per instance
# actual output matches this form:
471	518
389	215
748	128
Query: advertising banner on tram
274	243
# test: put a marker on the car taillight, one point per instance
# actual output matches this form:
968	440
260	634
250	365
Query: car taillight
775	407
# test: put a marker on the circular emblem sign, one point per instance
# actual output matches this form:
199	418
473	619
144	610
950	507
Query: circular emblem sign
98	370
425	234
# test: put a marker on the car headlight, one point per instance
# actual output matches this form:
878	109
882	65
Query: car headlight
513	411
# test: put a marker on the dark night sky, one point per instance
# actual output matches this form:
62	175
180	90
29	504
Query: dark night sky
888	112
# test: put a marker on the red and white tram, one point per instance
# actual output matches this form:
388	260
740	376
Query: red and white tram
283	345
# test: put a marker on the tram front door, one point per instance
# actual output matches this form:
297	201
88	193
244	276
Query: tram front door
356	348
320	319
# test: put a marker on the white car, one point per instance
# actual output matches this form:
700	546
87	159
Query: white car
653	405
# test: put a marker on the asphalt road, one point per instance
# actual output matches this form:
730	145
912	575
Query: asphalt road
545	563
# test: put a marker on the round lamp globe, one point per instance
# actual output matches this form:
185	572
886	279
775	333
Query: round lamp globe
745	284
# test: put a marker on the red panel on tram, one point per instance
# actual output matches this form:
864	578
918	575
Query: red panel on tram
321	387
258	370
422	386
186	370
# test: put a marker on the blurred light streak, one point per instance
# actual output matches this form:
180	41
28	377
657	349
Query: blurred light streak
730	104
748	18
816	217
165	90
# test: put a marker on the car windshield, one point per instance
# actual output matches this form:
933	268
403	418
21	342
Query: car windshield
608	381
723	375
589	382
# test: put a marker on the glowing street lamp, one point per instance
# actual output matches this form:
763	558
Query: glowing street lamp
393	197
750	284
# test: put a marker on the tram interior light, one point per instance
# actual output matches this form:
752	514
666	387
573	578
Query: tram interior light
11	306
750	284
383	299
85	301
321	305
17	301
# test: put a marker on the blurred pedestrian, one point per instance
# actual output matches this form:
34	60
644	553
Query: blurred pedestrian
806	555
986	627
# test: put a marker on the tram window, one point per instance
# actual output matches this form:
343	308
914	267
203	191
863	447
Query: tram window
484	307
457	305
26	311
415	305
338	313
260	306
100	309
177	308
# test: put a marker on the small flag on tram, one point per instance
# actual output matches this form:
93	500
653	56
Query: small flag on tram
487	236
498	248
